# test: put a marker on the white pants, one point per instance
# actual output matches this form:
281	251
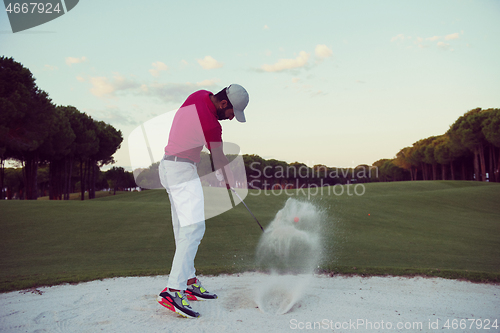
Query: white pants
185	192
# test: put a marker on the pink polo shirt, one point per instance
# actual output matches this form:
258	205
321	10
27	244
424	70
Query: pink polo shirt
195	125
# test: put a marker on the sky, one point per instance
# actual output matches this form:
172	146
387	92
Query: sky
339	83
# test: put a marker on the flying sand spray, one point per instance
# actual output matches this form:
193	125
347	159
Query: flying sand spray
289	250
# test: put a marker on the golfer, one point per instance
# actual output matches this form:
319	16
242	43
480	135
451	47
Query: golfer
196	124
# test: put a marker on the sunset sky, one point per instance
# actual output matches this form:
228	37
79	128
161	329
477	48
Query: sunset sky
339	83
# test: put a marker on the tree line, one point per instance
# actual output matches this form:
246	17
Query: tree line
268	174
38	134
469	150
114	179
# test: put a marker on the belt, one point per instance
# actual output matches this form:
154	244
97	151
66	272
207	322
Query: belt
177	159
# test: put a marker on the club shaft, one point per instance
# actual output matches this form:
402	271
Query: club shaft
232	189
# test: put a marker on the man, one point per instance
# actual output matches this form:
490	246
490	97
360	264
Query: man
196	124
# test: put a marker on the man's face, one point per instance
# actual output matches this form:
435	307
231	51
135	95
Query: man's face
225	112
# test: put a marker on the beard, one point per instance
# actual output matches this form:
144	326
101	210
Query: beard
221	113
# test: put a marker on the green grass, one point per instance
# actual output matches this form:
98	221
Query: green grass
424	225
447	229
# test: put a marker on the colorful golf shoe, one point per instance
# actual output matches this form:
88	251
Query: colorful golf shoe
177	302
195	292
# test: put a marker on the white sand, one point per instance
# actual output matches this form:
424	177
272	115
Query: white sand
335	304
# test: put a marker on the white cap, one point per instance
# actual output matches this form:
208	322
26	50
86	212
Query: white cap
238	97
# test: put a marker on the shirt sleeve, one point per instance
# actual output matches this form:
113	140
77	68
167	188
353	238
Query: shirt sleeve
213	136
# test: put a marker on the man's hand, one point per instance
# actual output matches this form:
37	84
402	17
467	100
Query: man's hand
220	161
220	176
229	180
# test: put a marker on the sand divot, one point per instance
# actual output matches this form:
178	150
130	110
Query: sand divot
278	294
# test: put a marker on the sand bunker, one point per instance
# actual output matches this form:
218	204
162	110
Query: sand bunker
328	303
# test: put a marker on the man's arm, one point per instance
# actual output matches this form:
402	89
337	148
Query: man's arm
220	160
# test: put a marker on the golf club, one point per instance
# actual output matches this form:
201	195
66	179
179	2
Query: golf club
232	189
222	176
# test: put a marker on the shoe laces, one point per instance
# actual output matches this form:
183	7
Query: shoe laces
182	296
197	284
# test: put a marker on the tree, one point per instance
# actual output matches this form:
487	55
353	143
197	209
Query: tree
320	174
419	156
13	181
300	173
34	131
402	160
254	165
149	178
467	131
362	173
85	145
109	140
55	150
429	157
389	171
116	177
26	113
443	155
491	132
276	173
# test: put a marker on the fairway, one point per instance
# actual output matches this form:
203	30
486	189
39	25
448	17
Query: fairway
435	228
